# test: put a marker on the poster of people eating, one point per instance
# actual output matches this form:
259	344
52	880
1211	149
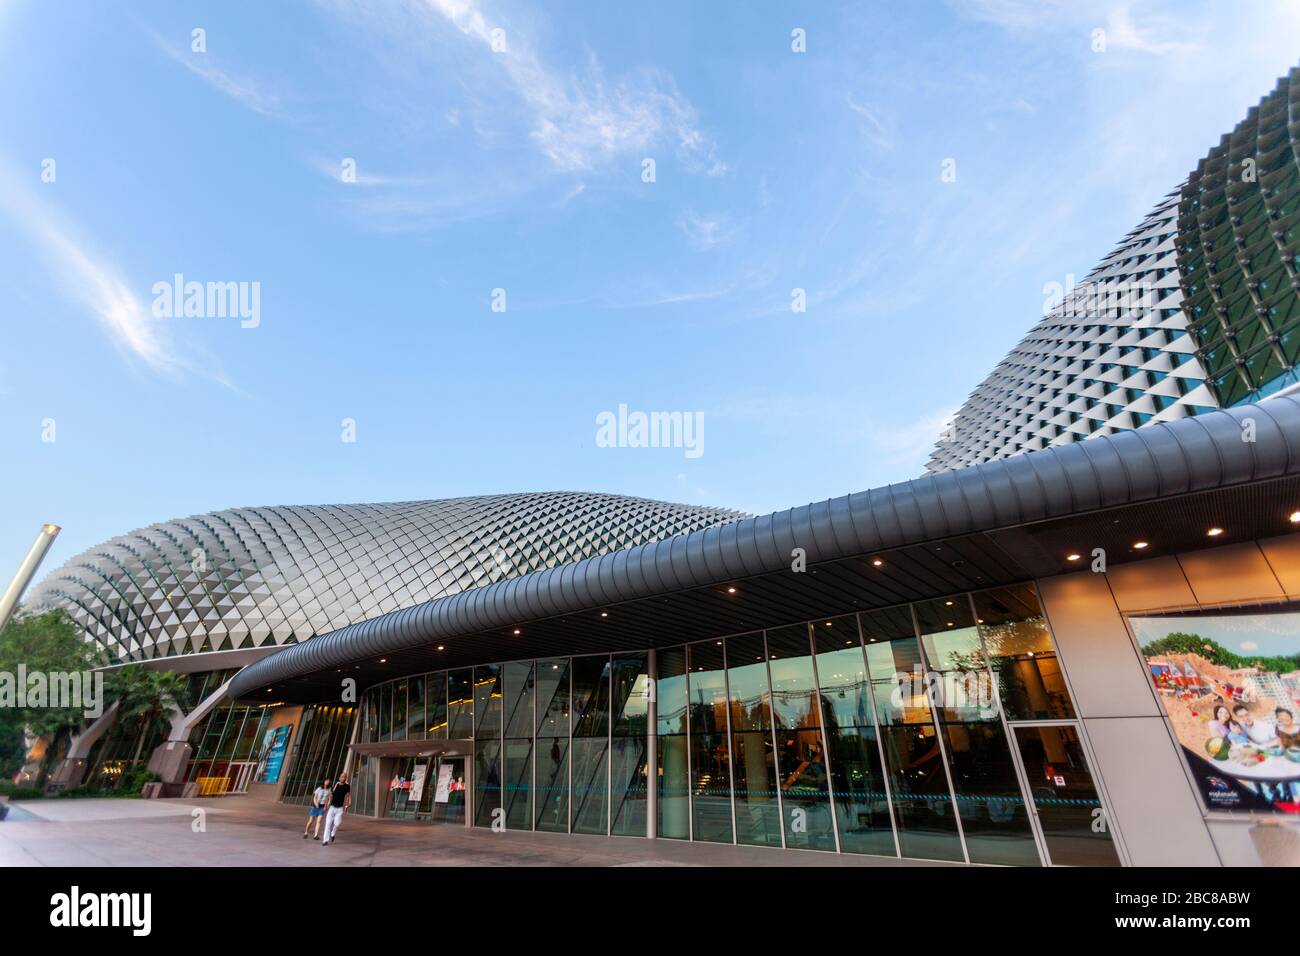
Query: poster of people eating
1230	683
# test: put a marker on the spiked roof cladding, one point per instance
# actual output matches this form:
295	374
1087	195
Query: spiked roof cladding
1174	461
256	577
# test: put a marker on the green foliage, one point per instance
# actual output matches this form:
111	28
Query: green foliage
13	750
48	643
147	698
1180	642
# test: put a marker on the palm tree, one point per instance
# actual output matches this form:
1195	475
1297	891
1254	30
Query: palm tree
149	696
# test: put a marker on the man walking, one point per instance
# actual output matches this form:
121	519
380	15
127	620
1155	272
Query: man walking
340	800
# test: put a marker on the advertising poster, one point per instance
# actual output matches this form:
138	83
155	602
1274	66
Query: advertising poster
417	782
1230	683
275	742
443	787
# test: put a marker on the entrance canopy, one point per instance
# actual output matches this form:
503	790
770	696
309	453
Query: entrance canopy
1134	495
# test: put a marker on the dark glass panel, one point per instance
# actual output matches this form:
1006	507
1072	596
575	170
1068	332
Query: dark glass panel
518	783
519	699
858	784
631	684
758	814
553	698
487	783
415	722
552	797
995	820
794	691
487	701
671	687
399	709
386	712
590	697
628	797
1069	810
1022	654
590	784
436	704
674	787
460	704
747	680
710	787
805	789
708	694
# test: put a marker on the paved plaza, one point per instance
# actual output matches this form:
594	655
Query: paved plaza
243	831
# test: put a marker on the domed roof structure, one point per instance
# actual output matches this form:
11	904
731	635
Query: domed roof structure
255	577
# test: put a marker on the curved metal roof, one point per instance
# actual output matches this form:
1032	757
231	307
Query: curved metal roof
259	577
1161	461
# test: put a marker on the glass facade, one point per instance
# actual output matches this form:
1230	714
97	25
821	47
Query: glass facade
927	731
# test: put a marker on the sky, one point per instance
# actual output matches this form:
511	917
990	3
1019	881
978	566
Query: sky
472	227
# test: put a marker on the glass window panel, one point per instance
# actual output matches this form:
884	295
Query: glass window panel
842	673
487	781
708	695
590	784
1069	810
858	784
794	691
460	704
747	680
674	787
758	814
995	820
1022	654
415	722
671	687
628	797
436	702
805	790
518	783
519	699
553	698
590	697
399	710
487	701
710	787
552	797
631	685
386	712
923	808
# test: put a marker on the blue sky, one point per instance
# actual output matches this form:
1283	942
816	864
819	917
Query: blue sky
522	169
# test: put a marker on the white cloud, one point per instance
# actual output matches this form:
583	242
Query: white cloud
872	127
704	232
95	284
242	90
578	120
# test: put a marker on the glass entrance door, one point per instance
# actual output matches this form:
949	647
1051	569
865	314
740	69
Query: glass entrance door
409	789
447	803
1068	813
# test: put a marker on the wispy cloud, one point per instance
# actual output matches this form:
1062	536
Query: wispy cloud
579	121
1152	31
872	128
94	283
242	89
704	232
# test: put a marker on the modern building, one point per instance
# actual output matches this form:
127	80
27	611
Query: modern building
1197	308
1032	655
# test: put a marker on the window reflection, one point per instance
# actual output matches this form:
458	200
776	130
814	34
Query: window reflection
1022	654
709	750
674	778
758	813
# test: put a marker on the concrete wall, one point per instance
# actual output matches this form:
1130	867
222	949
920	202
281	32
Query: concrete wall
1154	808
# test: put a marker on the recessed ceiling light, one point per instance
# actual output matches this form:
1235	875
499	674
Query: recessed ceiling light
947	604
830	623
731	590
383	660
1295	517
1073	557
1214	532
877	562
1139	545
950	623
441	648
516	632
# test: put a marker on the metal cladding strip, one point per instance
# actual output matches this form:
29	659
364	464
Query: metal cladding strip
1193	454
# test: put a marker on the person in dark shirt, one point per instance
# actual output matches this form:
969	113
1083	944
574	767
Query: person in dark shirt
340	800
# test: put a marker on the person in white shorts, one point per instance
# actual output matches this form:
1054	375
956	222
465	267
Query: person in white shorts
340	800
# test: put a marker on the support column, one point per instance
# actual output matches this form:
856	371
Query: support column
170	758
71	771
651	747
